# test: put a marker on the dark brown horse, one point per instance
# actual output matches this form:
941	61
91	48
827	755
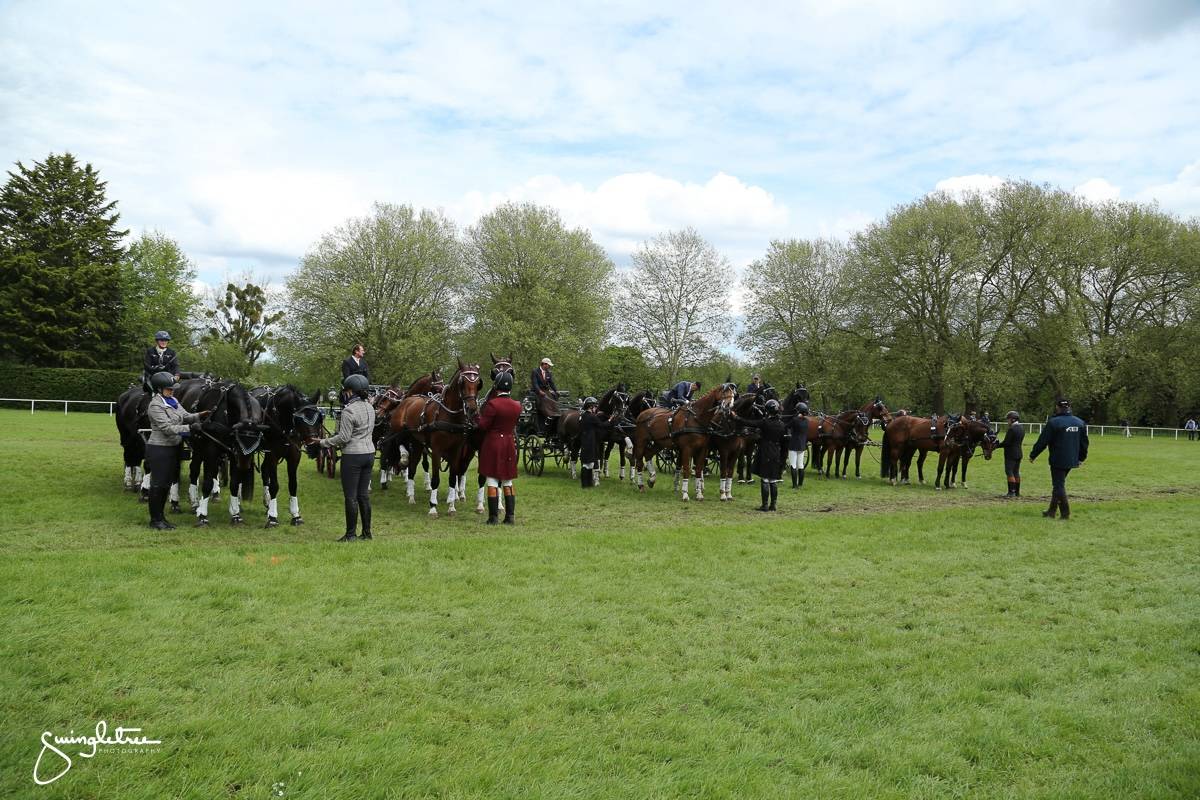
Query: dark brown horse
393	455
842	431
732	441
957	448
441	424
612	405
907	435
874	410
621	433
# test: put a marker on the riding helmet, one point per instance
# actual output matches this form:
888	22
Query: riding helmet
1012	415
503	383
356	382
1063	403
591	401
802	408
162	335
772	406
162	380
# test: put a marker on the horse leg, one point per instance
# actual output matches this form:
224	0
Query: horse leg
204	494
293	468
435	479
437	467
921	466
963	461
270	488
858	462
937	483
698	465
479	497
682	475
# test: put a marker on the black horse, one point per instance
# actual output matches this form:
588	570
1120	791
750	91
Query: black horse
131	419
745	456
621	433
230	436
293	424
611	404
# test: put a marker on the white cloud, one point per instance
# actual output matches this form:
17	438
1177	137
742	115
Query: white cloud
1098	190
962	185
1181	195
624	210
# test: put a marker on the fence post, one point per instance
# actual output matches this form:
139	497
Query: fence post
110	409
31	402
65	407
1152	433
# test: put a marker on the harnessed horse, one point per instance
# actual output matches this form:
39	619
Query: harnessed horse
686	429
391	451
734	440
958	448
622	432
231	434
875	410
442	424
294	425
847	429
611	404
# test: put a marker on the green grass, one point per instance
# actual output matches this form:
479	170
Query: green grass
867	641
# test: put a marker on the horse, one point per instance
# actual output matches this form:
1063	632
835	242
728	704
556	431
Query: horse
293	426
441	424
846	429
958	447
907	435
391	451
745	457
231	435
875	410
732	440
612	405
685	428
622	433
131	419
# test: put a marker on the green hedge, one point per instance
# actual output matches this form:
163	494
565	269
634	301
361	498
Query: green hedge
53	383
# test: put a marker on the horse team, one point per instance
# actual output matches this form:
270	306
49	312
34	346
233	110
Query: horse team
432	423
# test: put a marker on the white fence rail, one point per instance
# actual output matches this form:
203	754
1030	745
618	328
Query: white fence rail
66	404
1133	431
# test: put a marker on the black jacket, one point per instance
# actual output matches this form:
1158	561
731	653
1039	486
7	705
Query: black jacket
538	384
167	362
797	430
769	455
350	368
592	430
1013	438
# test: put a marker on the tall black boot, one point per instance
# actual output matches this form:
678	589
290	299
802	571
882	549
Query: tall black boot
1053	507
157	502
1064	508
774	493
766	495
585	477
1017	488
801	471
493	509
364	511
510	508
795	480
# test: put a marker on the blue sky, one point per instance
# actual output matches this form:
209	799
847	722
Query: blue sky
246	130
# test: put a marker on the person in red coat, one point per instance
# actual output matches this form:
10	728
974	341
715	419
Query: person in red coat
498	453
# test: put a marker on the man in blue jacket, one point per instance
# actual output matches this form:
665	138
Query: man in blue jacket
1066	436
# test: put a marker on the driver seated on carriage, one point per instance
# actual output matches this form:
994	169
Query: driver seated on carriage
544	394
681	393
159	358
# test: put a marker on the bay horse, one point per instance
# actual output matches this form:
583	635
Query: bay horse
875	410
907	435
731	439
230	435
621	433
294	426
393	455
612	405
441	424
685	428
846	429
958	447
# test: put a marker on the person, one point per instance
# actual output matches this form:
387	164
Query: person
544	393
498	453
592	428
1013	438
1190	426
353	436
797	431
1125	428
768	455
169	426
682	393
756	384
1066	436
159	358
356	364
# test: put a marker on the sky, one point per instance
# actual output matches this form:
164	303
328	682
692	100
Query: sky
245	131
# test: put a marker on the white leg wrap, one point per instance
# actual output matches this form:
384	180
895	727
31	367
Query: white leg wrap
193	494
146	481
403	456
411	488
653	469
479	500
294	506
235	504
628	446
129	476
451	494
684	483
202	507
433	497
428	482
273	507
174	493
700	487
595	475
384	475
137	475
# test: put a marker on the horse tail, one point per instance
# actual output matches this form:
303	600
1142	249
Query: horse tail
885	463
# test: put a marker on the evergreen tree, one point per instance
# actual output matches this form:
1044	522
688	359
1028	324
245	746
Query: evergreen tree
60	279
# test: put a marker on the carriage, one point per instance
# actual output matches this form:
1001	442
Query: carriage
533	447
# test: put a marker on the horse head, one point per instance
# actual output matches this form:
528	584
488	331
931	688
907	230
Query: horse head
500	366
306	415
464	387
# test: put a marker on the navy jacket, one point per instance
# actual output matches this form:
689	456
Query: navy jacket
1013	438
680	391
1066	436
167	362
797	430
539	384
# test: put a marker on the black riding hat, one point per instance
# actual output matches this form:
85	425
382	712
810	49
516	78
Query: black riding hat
772	406
503	383
1012	415
801	408
591	401
162	380
162	335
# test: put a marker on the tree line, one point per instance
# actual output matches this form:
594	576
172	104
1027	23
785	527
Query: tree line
987	301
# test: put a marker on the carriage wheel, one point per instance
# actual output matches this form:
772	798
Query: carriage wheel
534	458
710	466
665	460
560	457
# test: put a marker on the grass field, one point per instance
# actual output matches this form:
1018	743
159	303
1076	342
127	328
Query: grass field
866	641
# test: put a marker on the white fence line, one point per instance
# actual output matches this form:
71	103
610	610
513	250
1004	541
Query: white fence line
65	403
1114	430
